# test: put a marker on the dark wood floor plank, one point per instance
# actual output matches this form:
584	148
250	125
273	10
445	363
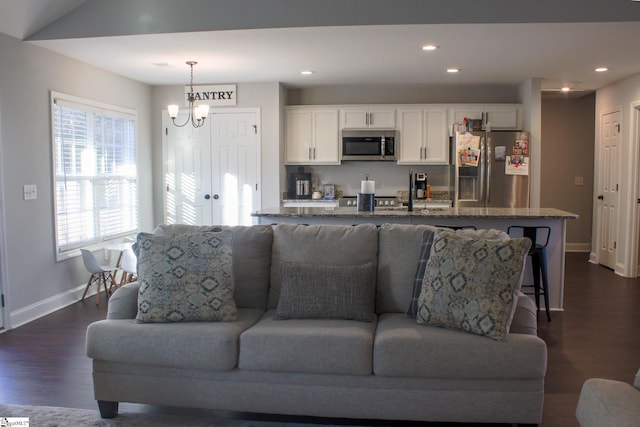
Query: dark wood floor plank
597	335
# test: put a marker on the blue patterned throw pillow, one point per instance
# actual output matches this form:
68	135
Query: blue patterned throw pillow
472	284
185	277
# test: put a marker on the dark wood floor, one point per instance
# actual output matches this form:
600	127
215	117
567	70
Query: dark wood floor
598	335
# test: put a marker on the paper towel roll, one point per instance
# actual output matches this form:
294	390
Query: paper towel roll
367	187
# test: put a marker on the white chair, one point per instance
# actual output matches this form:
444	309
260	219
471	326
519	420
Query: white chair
128	266
609	403
99	274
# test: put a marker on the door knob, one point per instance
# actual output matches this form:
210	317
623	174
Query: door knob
207	196
216	197
600	197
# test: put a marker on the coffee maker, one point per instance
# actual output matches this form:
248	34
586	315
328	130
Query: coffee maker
421	185
300	185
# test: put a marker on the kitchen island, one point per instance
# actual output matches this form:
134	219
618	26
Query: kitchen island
496	218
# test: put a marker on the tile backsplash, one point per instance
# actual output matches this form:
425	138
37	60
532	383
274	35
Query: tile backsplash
389	177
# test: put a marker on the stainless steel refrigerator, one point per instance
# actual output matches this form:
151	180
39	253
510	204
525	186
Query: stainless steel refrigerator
491	169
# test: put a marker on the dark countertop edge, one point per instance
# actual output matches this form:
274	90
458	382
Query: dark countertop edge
535	213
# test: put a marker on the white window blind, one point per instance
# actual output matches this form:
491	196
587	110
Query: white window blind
96	185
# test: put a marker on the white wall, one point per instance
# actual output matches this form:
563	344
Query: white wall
403	94
267	97
34	283
567	152
622	95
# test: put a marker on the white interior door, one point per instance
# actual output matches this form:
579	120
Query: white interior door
212	173
187	169
235	186
608	186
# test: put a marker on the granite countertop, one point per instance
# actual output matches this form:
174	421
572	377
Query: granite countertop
351	212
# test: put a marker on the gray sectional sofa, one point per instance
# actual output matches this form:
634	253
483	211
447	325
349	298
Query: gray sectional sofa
389	367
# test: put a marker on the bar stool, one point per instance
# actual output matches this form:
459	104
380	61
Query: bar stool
539	237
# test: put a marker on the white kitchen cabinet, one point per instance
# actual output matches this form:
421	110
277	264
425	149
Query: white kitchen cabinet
423	136
312	136
368	118
500	116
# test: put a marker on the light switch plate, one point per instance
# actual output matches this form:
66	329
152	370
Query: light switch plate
579	180
30	192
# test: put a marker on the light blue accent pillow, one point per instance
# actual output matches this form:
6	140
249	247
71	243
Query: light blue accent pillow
185	277
472	284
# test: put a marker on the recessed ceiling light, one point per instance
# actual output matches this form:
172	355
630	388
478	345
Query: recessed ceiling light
603	69
307	72
429	47
453	70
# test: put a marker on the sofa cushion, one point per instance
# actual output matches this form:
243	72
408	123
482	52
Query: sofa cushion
251	259
525	318
399	247
472	284
404	348
338	245
308	346
185	277
312	291
425	253
186	345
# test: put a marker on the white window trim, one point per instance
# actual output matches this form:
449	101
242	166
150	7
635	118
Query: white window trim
86	104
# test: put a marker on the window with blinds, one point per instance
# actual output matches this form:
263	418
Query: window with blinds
96	185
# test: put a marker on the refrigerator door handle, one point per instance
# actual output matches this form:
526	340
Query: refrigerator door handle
482	165
488	163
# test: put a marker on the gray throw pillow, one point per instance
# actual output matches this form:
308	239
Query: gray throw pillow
185	277
472	284
312	291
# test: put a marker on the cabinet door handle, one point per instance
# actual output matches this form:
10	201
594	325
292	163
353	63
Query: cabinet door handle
314	153
309	155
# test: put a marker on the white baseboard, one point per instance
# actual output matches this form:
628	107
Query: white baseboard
578	247
36	310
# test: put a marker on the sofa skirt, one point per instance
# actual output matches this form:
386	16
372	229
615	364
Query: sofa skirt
329	396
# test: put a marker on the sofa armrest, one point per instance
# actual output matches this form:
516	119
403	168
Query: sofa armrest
123	304
525	319
636	383
604	402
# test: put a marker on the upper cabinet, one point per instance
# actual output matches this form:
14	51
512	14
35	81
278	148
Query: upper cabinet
368	118
423	136
312	133
311	136
498	116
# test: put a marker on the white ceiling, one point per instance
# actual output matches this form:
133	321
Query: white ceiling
487	52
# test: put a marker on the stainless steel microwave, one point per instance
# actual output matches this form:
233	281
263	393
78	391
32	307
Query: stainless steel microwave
369	145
